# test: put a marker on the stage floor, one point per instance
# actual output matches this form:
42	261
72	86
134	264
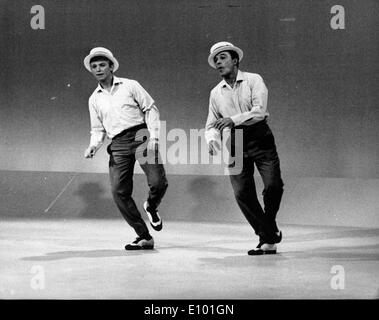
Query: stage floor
85	259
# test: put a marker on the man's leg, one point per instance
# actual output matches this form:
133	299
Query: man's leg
245	193
121	176
268	165
157	181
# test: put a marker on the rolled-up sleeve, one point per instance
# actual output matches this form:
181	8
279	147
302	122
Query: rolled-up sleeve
153	122
212	133
98	132
148	107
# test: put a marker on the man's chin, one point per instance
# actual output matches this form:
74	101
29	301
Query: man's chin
223	73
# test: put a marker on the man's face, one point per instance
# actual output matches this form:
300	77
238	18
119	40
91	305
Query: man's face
224	63
101	69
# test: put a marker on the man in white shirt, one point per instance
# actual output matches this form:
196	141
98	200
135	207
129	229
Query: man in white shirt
239	101
121	109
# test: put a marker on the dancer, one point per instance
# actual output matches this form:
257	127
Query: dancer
122	109
239	101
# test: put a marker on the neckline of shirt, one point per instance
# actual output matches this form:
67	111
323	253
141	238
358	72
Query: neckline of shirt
116	81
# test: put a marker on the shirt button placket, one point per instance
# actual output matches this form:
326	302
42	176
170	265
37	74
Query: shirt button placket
235	98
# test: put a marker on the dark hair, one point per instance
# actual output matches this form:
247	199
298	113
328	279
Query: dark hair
234	55
97	58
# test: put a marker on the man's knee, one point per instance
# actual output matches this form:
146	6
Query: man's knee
239	187
274	187
119	190
160	184
240	192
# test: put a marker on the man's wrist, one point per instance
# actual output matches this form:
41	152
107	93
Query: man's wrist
235	120
213	142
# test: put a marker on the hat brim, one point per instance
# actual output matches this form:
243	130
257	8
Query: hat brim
88	58
224	48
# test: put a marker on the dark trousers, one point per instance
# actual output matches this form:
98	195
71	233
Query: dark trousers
259	148
122	159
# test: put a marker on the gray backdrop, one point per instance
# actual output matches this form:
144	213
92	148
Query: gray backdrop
323	93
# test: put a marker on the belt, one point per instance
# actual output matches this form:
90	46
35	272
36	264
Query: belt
253	126
130	130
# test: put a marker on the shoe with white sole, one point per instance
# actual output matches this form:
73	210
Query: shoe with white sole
263	248
141	244
154	218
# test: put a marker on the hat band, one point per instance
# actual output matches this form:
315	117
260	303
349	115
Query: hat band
222	46
97	53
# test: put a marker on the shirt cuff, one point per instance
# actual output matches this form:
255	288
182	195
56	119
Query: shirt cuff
97	139
237	119
154	136
212	135
154	132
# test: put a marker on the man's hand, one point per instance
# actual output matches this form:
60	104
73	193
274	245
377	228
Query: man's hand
214	147
223	123
90	152
152	145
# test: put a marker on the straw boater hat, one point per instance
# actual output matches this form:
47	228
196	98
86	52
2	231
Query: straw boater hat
222	46
100	52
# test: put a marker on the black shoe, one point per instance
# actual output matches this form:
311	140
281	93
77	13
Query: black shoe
278	236
273	238
155	219
263	248
140	244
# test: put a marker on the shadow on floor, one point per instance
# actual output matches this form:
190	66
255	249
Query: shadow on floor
61	255
335	234
360	253
198	249
245	261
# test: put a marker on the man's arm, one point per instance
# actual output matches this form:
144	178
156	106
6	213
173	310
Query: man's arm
212	134
153	122
152	116
97	132
259	103
153	125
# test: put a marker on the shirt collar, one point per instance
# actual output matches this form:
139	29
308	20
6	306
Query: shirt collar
116	80
240	77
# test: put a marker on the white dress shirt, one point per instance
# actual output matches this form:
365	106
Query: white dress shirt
245	103
126	105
